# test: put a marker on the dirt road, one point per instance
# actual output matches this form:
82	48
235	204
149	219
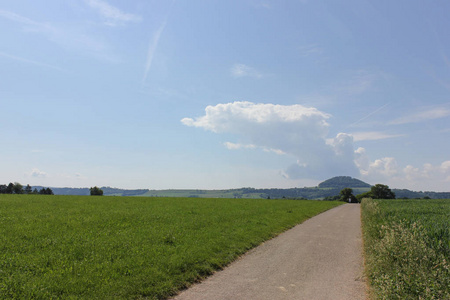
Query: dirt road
318	259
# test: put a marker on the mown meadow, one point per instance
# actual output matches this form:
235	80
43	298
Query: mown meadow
129	247
407	248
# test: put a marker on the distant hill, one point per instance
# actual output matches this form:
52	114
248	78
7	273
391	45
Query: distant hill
341	182
326	189
65	190
403	193
107	191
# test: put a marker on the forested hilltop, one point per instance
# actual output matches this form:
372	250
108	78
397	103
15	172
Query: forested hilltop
325	190
342	182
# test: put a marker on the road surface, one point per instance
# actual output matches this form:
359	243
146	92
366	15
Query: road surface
318	259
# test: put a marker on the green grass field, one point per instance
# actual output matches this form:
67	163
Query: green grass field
129	247
407	248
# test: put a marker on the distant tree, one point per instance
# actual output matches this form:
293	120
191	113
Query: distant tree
364	195
28	189
35	191
95	191
332	198
347	195
17	188
3	188
10	188
44	191
381	191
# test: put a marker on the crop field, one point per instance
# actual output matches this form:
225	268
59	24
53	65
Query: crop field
129	247
407	248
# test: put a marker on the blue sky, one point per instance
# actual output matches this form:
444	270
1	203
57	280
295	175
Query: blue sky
224	94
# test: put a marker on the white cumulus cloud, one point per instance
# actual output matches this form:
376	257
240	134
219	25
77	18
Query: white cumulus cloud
37	173
302	132
386	166
387	171
293	130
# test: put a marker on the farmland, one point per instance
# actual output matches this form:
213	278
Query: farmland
407	248
130	247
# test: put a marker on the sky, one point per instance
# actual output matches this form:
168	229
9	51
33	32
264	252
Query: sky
224	94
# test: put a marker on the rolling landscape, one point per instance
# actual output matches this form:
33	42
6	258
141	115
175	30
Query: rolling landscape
328	188
154	244
84	247
248	150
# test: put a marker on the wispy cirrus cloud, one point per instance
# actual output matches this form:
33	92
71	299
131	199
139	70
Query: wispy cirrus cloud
310	50
153	45
262	4
369	115
29	24
373	136
80	42
241	70
359	82
154	42
112	14
422	116
28	61
235	146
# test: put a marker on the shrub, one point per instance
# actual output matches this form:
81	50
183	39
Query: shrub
95	191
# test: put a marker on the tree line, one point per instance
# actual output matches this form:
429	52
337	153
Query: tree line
378	191
17	188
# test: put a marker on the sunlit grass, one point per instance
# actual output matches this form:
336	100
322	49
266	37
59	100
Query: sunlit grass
407	246
128	247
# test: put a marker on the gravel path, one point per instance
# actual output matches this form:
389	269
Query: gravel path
318	259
